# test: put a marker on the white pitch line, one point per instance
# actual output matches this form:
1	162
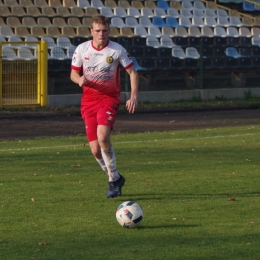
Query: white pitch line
128	142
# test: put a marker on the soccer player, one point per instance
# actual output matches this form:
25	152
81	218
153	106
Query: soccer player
99	60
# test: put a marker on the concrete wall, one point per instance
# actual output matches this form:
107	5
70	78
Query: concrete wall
163	96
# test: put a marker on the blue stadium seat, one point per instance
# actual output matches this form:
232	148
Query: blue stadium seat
158	21
163	4
137	66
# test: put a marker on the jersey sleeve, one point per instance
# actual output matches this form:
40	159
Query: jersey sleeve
125	59
77	62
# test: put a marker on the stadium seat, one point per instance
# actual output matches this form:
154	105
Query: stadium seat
181	31
131	22
194	31
91	11
120	12
72	21
29	21
117	22
163	5
152	41
69	3
232	31
97	4
232	52
6	31
150	4
164	52
22	31
167	42
18	11
78	40
146	12
124	3
58	53
77	11
199	5
141	31
207	41
150	52
31	45
159	12
176	5
210	21
162	63
137	67
60	22
71	50
127	32
136	51
54	3
64	42
8	53
68	31
48	11
40	3
207	31
171	21
145	21
53	31
185	21
192	52
17	42
44	22
187	5
158	21
148	63
26	3
38	31
33	12
110	3
2	38
13	21
199	13
63	11
176	63
137	4
138	41
186	13
173	12
155	31
134	12
25	54
114	31
197	21
107	11
167	30
178	52
124	41
50	40
83	4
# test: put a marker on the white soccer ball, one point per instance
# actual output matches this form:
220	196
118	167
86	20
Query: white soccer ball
129	214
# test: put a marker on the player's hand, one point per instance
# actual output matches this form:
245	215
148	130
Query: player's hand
82	81
131	105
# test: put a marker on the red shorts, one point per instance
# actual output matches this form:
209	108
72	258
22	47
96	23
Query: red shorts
99	113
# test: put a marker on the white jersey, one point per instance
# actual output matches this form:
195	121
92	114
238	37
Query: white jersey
101	68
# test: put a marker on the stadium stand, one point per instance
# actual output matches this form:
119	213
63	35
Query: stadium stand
175	26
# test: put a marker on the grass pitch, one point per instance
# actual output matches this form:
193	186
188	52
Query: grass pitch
199	190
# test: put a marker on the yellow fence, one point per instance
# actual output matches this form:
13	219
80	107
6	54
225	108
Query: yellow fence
23	78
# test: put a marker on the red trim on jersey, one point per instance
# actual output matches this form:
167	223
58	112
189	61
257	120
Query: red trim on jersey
101	48
75	68
129	66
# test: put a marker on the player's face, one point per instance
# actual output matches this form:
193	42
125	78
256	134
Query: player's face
100	34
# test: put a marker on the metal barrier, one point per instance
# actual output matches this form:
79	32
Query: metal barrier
23	77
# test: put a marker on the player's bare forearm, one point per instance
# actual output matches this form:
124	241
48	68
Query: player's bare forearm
132	103
76	78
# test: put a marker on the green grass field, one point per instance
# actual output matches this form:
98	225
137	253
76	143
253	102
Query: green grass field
199	190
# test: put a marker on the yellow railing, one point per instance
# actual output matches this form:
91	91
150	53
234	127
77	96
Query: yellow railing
23	81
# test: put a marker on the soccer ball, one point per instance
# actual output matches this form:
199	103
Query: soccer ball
129	214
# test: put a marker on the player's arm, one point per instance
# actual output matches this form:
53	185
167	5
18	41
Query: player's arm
76	78
132	103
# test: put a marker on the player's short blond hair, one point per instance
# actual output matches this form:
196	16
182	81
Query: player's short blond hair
100	19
